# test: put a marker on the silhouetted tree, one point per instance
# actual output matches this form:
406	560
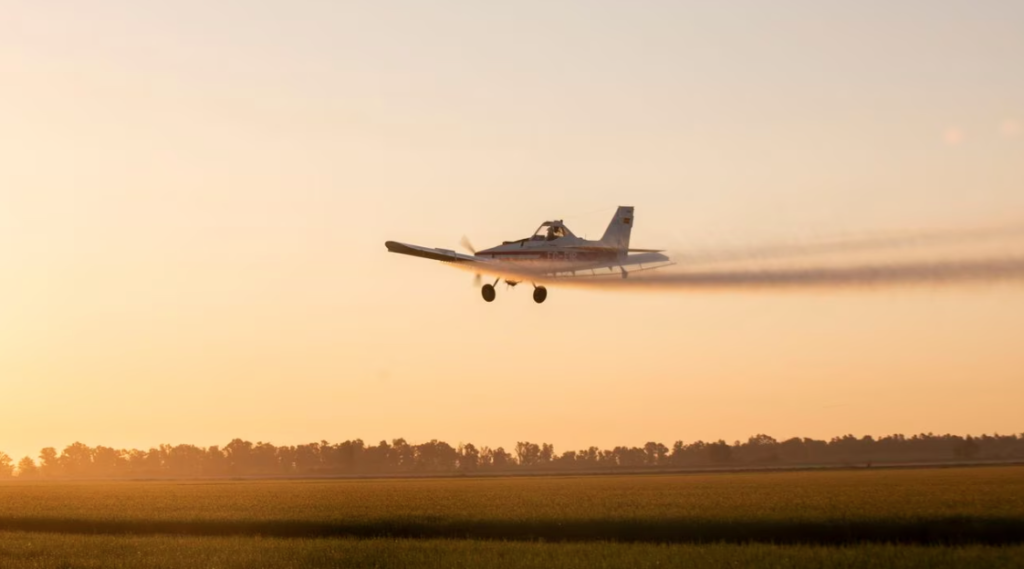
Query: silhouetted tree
6	466
968	448
435	456
49	466
546	454
501	459
378	458
107	462
76	460
719	452
214	462
185	460
27	468
567	459
655	454
527	454
403	455
469	458
240	457
793	449
588	456
307	458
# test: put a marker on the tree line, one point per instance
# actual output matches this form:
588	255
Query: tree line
354	457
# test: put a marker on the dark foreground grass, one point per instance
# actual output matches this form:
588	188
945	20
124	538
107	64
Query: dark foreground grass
930	507
926	531
51	551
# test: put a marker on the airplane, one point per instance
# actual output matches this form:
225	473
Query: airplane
553	252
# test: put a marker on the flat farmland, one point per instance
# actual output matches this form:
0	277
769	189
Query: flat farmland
56	551
964	506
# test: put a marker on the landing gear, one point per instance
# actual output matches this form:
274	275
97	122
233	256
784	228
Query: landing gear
487	291
540	294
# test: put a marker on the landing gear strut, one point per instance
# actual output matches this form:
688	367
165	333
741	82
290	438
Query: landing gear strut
540	294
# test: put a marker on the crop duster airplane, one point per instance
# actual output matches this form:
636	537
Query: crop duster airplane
552	253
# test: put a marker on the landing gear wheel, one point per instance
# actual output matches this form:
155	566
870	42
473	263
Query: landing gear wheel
540	294
487	291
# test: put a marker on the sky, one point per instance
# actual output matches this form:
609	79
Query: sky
194	199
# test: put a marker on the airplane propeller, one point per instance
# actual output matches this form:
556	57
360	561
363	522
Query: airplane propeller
468	245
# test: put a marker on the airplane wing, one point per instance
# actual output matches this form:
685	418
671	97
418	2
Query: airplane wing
444	255
538	271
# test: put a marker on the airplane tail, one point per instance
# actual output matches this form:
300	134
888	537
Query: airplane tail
617	234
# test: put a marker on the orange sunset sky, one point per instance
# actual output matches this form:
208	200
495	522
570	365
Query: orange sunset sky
194	198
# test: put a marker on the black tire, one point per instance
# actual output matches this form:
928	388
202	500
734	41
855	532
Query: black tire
540	294
487	291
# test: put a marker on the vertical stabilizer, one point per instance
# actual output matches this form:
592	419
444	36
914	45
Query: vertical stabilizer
617	234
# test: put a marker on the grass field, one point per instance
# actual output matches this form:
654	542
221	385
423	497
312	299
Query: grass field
908	518
52	551
955	505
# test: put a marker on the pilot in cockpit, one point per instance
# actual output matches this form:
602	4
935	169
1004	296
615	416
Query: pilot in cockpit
554	232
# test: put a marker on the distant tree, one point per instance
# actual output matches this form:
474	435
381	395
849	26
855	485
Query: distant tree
108	462
469	458
760	448
6	466
239	456
500	458
436	456
377	459
307	458
348	455
546	454
136	461
214	462
697	452
719	452
588	456
527	453
76	460
49	464
678	454
655	454
402	455
631	457
263	458
793	449
27	468
242	457
567	459
968	448
184	460
155	460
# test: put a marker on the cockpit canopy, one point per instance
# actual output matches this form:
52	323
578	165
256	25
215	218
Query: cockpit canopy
551	230
548	231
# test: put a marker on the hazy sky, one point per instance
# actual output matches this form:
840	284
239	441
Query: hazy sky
194	198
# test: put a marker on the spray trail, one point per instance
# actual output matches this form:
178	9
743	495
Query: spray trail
850	245
906	273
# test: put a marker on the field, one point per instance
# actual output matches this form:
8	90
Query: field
906	518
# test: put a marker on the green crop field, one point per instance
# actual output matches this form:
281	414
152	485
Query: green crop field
909	518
